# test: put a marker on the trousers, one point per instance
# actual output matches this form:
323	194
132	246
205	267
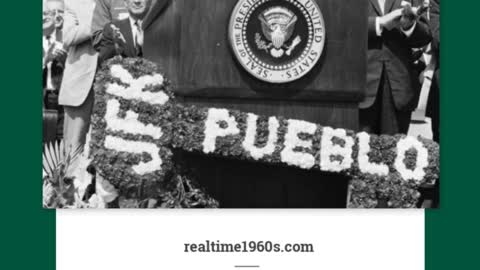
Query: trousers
77	123
383	117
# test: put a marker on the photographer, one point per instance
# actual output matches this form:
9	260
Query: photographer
395	27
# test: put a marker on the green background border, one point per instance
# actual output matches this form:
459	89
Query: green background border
28	232
453	231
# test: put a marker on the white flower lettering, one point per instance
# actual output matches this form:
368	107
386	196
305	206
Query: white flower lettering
122	145
136	87
364	163
329	149
214	130
130	123
421	162
249	142
291	157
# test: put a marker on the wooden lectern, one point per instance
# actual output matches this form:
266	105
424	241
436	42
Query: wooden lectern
189	40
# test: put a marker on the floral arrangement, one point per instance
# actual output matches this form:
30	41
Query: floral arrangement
385	167
137	125
131	125
130	137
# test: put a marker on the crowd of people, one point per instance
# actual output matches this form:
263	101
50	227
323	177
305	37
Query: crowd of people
79	35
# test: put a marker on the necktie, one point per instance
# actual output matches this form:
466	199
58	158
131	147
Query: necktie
49	83
138	38
47	43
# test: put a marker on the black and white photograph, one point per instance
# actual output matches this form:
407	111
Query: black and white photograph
241	104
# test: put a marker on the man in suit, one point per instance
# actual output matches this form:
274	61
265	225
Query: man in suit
395	27
54	56
76	90
433	105
83	23
105	14
52	32
124	37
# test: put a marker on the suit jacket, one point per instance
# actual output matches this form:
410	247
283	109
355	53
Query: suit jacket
392	53
104	15
162	15
81	63
155	10
56	75
106	47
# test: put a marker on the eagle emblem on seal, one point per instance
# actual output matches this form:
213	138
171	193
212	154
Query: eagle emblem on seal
278	25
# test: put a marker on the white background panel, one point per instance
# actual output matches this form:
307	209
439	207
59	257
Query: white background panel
154	239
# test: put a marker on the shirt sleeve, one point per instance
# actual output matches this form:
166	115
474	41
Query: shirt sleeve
378	28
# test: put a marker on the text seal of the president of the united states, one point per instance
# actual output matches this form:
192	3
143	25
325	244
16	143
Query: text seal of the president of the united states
277	41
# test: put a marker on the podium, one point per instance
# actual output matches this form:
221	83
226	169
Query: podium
190	41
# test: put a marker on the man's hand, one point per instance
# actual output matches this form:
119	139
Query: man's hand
118	39
55	52
60	54
391	20
118	36
409	17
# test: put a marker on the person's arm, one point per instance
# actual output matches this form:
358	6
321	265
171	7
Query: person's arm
60	55
376	25
421	34
418	35
102	16
74	31
106	46
373	27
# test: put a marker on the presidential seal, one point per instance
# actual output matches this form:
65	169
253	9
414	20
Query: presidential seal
277	41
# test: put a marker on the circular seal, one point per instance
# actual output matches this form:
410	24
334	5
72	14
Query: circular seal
277	41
